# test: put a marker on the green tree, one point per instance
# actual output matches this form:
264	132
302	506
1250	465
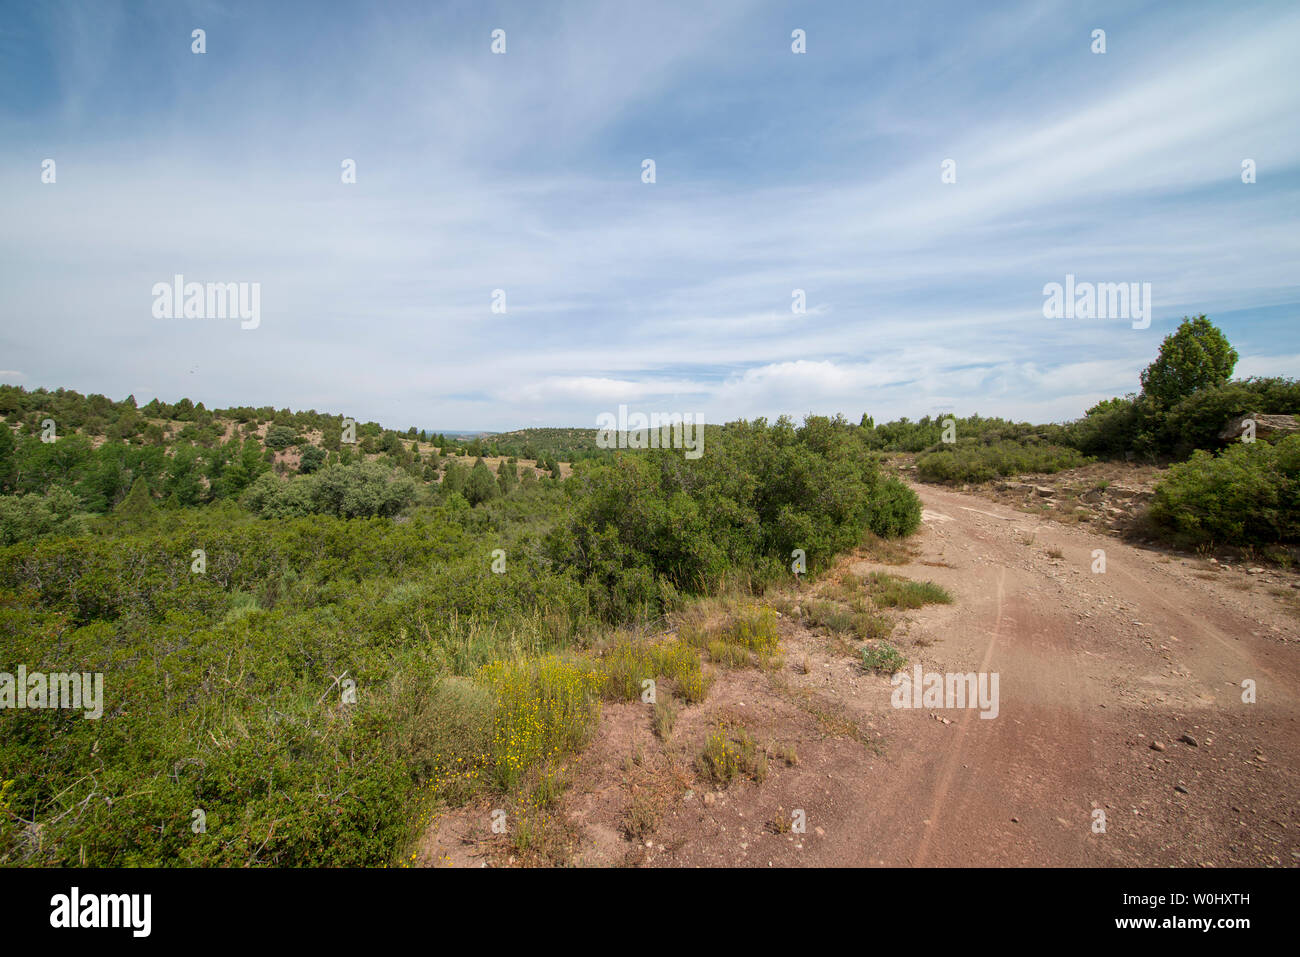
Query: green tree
8	459
507	476
312	459
280	437
1196	356
453	480
480	486
137	510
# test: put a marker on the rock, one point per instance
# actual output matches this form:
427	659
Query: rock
1044	490
1157	746
709	799
1254	571
1188	739
1180	789
1266	426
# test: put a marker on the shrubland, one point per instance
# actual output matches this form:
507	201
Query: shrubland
309	664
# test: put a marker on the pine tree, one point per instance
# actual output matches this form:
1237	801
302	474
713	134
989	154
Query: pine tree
137	509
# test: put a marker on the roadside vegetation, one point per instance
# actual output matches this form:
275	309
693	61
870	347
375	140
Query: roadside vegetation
309	661
1219	490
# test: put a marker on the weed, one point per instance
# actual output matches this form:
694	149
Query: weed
883	658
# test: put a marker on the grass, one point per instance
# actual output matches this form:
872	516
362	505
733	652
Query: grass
889	591
628	663
829	614
887	551
749	630
642	817
730	753
664	718
728	655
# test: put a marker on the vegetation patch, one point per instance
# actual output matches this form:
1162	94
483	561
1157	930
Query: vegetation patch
889	591
730	753
883	658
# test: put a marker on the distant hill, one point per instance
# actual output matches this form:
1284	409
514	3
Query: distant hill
97	448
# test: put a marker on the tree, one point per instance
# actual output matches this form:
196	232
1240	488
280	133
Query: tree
480	486
137	509
280	437
242	472
507	476
311	459
453	480
1196	356
8	459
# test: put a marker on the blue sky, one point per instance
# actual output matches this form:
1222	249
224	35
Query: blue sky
774	171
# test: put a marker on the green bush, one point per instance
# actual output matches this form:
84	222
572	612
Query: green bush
653	521
981	463
1195	422
1247	494
359	490
25	517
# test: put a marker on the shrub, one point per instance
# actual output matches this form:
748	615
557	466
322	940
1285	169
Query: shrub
981	463
654	521
1249	493
358	490
1196	421
24	517
543	709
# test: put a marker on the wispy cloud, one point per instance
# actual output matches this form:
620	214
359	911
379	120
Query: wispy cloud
521	172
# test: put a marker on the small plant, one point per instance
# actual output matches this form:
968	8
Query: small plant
883	658
781	823
1055	553
663	718
731	753
728	655
642	817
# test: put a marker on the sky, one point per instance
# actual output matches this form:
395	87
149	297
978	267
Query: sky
522	171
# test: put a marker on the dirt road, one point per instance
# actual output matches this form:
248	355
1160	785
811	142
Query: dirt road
1094	667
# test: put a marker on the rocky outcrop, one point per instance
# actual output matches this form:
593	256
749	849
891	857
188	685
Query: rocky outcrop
1271	427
